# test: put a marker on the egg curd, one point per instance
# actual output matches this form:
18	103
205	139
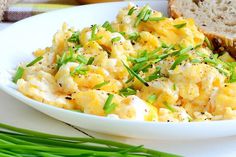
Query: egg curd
143	66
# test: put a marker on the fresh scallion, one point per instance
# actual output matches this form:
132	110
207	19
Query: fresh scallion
135	75
116	39
179	26
132	10
209	44
151	98
127	91
18	75
35	61
74	37
109	106
180	59
156	19
169	107
108	26
90	61
100	85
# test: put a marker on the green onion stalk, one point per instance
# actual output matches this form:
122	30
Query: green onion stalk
18	142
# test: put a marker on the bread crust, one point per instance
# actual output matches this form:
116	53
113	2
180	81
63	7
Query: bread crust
219	41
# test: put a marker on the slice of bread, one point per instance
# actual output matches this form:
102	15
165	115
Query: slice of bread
215	18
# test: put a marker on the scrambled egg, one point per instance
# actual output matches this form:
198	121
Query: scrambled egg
142	66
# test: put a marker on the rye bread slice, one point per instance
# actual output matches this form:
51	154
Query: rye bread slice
215	18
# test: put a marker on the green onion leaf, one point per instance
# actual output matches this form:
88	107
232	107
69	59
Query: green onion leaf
127	91
135	75
133	36
116	39
109	106
195	60
108	26
209	44
147	15
18	75
180	59
131	10
81	59
101	84
74	37
152	98
174	86
90	61
35	61
141	15
156	19
178	26
169	107
201	54
79	70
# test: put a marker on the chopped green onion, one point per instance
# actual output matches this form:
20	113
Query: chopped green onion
93	34
116	39
178	26
135	75
141	15
101	84
147	15
174	86
90	61
81	59
131	10
155	75
201	54
182	51
35	61
195	60
77	47
20	142
157	19
209	44
79	70
180	59
211	61
137	67
108	26
233	73
109	106
133	36
65	58
127	91
74	37
18	75
152	98
164	45
142	59
169	107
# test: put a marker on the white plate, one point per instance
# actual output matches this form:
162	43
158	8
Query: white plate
19	40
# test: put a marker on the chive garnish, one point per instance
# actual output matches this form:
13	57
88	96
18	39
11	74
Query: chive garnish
90	61
135	75
147	15
201	54
233	73
18	75
109	106
152	98
74	37
108	26
81	59
34	61
131	10
101	84
156	19
116	39
178	26
155	75
174	86
20	142
77	47
169	107
133	36
65	58
93	34
195	60
127	91
79	70
209	44
180	59
141	15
